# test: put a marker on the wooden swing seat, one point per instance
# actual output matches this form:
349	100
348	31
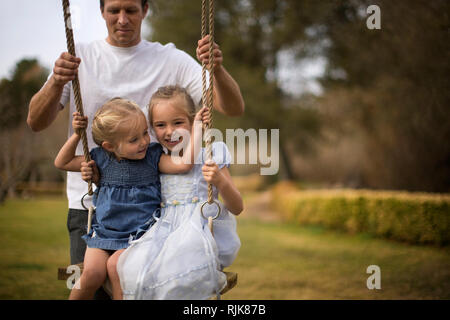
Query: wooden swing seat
231	279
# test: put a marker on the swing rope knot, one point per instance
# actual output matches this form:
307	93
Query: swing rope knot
208	96
76	84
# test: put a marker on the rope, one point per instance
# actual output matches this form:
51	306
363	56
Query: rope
207	94
76	83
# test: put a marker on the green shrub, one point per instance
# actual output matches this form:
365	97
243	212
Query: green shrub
418	218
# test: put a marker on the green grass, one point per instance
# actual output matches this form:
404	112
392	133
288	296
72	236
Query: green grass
34	243
281	261
276	261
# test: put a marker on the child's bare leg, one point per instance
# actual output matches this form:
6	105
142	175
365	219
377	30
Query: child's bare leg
93	276
113	276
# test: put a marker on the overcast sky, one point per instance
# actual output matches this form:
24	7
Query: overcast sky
35	29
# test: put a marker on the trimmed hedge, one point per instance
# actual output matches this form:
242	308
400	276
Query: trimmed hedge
417	218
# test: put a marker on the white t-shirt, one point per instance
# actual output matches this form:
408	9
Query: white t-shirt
133	73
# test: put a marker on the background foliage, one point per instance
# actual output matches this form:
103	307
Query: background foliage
416	218
380	119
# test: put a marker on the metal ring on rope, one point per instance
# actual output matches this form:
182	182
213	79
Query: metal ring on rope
91	211
82	201
218	209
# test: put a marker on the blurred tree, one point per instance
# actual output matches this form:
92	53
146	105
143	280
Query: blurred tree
16	93
396	84
392	84
248	33
17	141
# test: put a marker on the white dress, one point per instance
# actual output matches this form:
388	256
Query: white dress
178	258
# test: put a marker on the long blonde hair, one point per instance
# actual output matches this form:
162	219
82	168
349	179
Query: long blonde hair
109	120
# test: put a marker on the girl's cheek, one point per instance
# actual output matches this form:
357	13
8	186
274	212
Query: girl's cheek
159	134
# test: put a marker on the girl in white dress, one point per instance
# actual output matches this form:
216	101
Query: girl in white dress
179	258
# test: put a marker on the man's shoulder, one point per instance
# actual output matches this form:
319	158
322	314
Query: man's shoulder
86	47
88	44
159	47
167	52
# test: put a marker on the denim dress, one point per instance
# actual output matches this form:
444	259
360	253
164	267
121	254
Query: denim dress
127	200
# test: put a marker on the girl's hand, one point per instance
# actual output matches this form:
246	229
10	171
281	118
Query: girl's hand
212	174
202	115
89	172
79	122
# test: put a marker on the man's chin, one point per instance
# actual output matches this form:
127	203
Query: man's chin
124	42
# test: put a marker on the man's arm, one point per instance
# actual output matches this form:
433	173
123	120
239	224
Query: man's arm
227	94
44	106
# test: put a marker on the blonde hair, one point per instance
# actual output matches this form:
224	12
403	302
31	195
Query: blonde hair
109	119
170	92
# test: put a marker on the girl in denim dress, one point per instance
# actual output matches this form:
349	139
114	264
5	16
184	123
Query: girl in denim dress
128	196
179	258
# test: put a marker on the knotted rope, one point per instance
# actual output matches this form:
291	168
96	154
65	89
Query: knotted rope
208	96
76	83
78	104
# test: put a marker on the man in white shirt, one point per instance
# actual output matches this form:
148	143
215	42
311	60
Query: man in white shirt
122	65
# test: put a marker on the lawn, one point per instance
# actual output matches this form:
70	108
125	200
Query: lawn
276	261
280	261
34	242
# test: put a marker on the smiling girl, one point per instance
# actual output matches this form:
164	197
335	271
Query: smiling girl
179	258
128	196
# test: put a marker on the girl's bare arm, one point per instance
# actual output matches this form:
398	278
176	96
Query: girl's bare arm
221	178
66	158
172	164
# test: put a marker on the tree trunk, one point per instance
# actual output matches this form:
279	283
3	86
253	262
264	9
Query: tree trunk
286	167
